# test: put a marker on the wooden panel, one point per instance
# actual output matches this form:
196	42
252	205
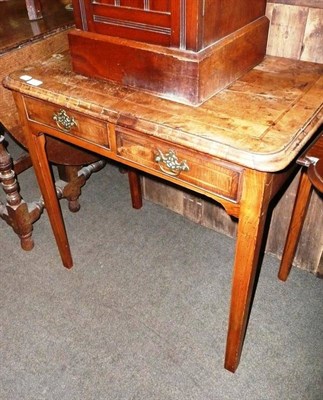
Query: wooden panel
302	40
159	5
313	37
132	3
127	19
223	17
163	194
303	3
286	30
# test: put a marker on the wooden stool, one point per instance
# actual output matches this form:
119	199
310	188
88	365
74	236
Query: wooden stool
311	175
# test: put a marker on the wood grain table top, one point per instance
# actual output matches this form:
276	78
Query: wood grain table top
261	121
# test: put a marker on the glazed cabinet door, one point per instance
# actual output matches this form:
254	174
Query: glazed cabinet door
150	21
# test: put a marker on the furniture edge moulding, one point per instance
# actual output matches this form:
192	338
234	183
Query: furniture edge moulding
179	75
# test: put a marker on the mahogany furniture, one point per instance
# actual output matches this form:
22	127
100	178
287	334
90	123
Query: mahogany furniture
238	148
185	50
311	175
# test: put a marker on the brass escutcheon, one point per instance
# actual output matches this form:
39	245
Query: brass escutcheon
169	163
63	121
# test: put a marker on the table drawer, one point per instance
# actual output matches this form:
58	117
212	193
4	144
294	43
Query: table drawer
187	167
67	121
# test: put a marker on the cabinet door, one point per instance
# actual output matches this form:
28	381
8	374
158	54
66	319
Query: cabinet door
150	21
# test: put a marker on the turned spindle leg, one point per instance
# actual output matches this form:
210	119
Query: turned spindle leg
70	174
15	212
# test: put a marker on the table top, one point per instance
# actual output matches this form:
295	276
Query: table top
261	121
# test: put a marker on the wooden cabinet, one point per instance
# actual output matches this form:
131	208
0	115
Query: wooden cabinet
184	50
190	25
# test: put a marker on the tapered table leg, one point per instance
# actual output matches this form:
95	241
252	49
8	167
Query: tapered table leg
253	211
135	188
36	147
303	196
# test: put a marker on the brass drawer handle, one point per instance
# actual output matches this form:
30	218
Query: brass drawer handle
169	164
63	121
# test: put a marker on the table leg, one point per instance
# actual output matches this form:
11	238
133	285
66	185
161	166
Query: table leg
253	211
135	188
36	148
303	196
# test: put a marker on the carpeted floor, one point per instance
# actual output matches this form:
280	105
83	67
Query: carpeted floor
143	313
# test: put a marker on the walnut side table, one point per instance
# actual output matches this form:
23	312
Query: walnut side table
238	148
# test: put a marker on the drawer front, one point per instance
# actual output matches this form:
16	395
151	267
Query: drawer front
67	121
182	165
